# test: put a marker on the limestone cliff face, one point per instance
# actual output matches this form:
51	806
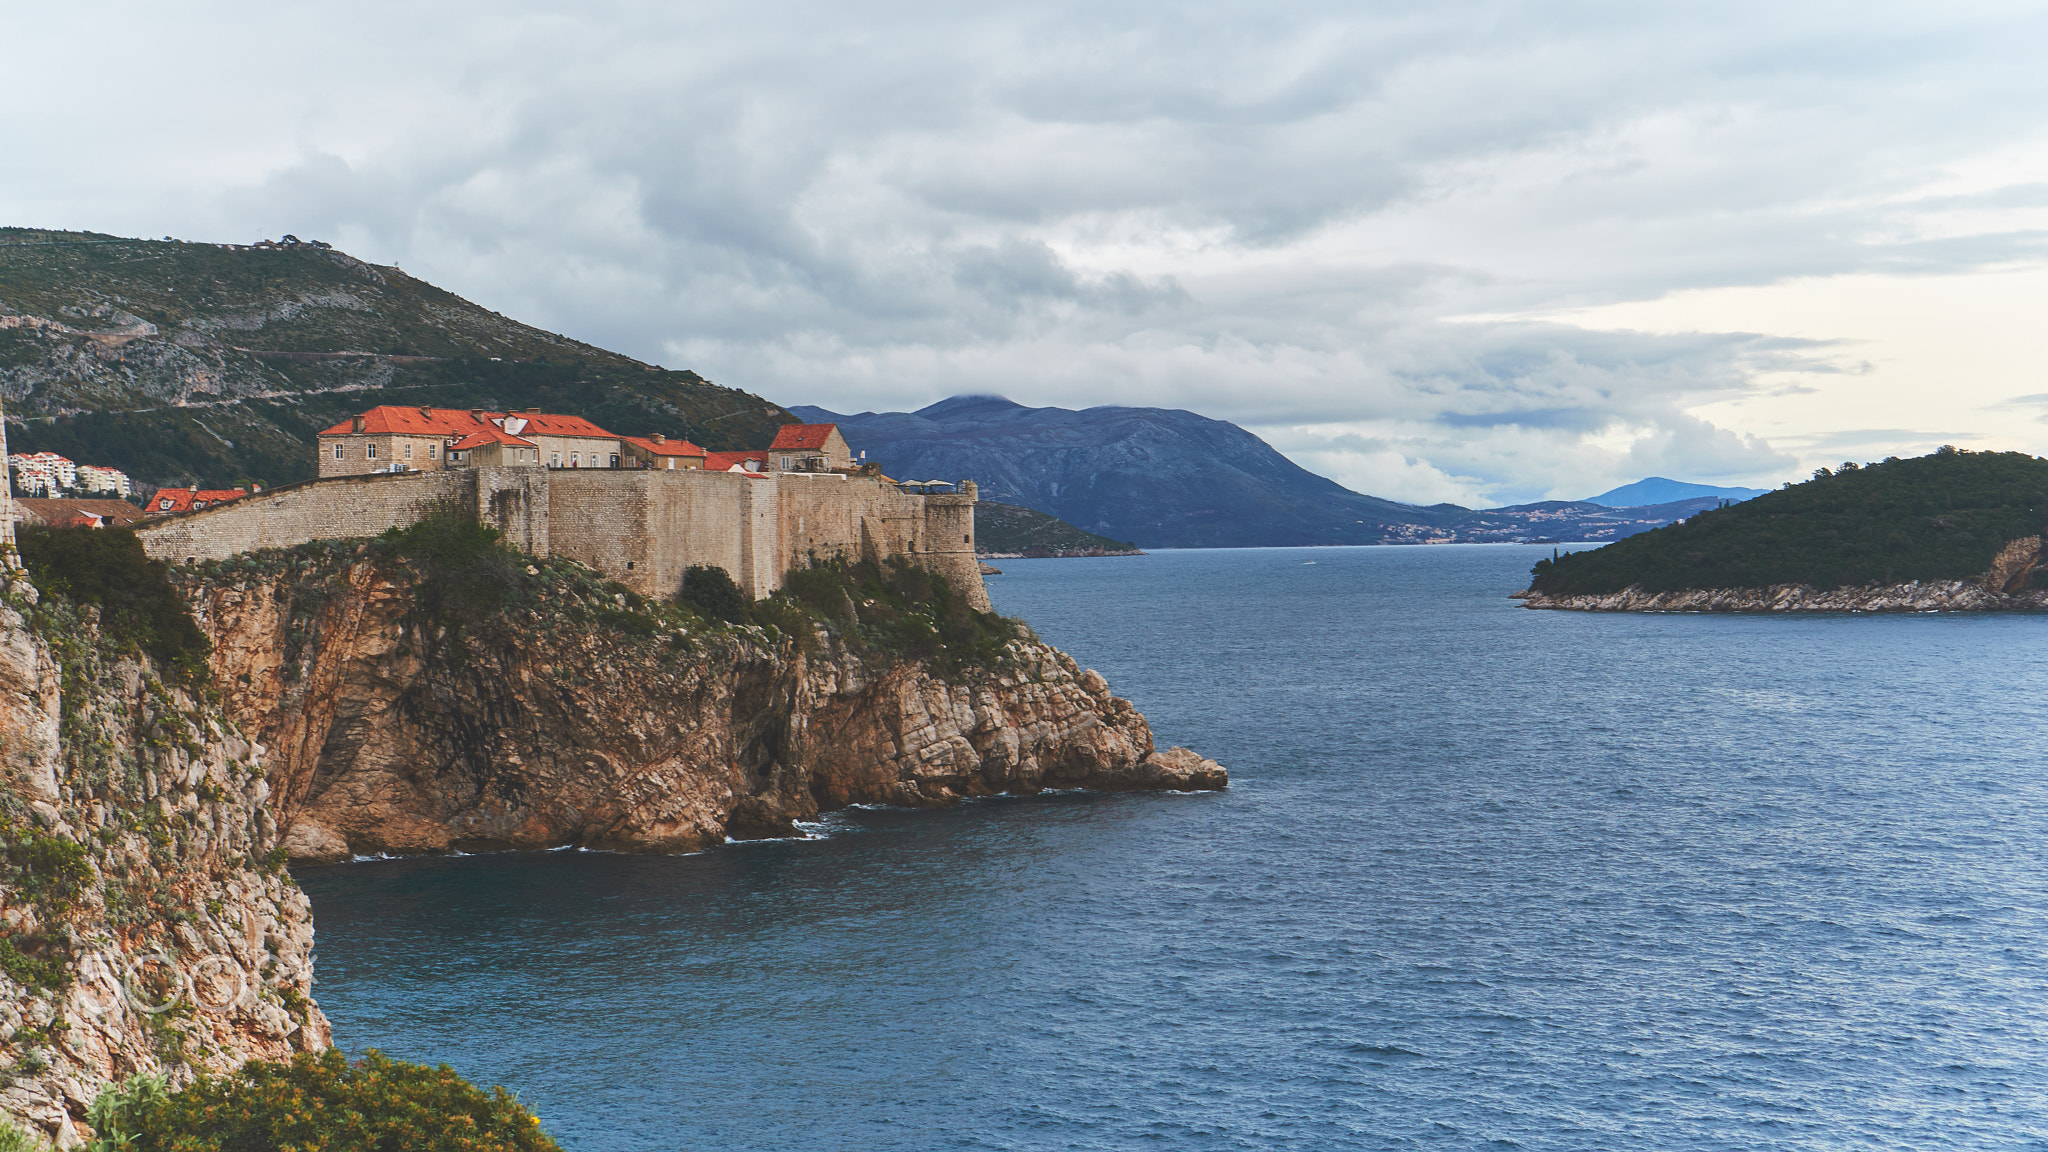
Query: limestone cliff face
577	721
147	926
2005	586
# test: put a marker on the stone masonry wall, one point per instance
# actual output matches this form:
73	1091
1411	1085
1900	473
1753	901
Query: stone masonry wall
641	527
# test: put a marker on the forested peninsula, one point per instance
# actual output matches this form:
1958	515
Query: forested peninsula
1951	531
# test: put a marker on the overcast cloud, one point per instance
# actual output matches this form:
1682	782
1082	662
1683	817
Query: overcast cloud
1401	242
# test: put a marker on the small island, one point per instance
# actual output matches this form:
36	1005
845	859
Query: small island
1951	531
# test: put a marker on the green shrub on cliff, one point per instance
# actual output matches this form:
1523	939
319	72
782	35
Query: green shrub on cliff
319	1103
709	591
466	571
1938	517
107	570
898	608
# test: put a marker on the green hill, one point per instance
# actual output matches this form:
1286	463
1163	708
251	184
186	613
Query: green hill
1938	517
1015	529
178	361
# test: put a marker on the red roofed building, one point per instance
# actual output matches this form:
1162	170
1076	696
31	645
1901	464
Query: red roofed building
658	451
489	446
809	448
749	461
391	438
170	501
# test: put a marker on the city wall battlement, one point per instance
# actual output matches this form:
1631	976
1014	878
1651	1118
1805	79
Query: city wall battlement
640	527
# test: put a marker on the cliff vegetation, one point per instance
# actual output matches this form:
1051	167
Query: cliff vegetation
1945	517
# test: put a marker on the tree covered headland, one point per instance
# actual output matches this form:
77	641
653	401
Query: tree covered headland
1939	517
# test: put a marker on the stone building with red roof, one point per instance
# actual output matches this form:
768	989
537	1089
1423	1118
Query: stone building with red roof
658	451
810	448
392	438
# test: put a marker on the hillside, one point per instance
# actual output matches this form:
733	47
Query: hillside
1172	479
1013	530
1946	516
1161	477
178	361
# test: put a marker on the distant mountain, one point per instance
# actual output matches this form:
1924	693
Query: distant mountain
1166	478
1161	477
219	363
1658	490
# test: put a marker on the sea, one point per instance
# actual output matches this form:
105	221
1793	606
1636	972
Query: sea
1485	877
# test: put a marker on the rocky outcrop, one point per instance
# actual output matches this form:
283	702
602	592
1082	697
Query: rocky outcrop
583	721
148	925
2004	587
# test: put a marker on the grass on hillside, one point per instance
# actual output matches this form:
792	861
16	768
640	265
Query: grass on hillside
1943	516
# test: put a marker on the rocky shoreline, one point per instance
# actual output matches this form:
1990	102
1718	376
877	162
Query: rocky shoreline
1918	596
2008	585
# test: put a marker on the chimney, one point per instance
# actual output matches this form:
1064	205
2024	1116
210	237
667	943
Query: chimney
533	411
356	425
426	412
657	438
476	414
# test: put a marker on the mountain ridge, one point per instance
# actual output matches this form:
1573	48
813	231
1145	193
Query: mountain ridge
1169	478
182	362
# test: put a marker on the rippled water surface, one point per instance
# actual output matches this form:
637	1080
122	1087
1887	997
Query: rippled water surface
1486	877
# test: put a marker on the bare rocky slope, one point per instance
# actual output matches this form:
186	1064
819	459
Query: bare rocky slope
148	921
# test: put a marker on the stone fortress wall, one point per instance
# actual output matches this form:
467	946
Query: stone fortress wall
641	527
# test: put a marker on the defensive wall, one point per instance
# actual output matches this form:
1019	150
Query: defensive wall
641	527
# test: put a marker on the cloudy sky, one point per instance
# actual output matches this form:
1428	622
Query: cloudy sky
1450	250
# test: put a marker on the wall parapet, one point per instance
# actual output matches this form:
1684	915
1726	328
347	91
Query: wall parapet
641	527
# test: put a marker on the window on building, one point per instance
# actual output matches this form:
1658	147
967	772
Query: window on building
408	449
431	448
340	453
615	459
554	459
369	451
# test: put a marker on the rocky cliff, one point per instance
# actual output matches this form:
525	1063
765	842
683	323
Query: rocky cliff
584	718
148	923
355	706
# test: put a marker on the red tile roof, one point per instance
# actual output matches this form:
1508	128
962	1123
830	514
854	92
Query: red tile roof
548	424
169	500
802	437
392	419
723	461
488	435
665	447
53	512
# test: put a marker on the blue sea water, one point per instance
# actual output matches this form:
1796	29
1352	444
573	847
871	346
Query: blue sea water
1486	877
